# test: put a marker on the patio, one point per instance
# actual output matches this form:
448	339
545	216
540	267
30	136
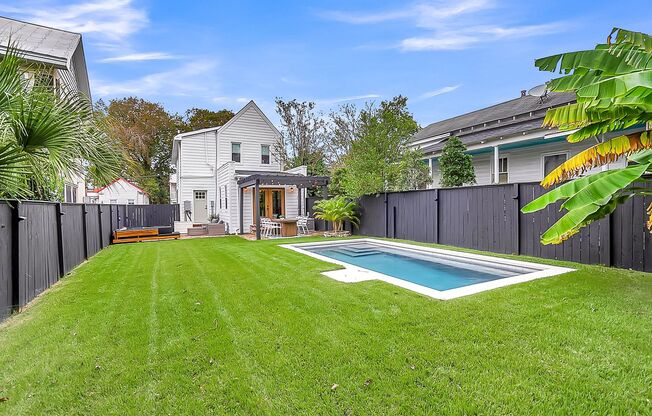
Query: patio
258	179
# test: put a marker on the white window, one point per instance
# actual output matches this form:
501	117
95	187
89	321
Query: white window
264	154
113	201
219	196
503	176
235	152
551	161
130	201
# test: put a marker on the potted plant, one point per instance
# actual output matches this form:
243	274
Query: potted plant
337	210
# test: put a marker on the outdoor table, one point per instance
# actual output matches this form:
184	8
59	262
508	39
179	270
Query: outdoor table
288	226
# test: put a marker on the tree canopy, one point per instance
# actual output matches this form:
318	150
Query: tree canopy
201	118
455	165
380	158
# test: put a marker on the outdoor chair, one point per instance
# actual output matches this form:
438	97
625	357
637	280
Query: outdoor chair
269	228
302	225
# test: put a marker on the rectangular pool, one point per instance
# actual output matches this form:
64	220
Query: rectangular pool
442	274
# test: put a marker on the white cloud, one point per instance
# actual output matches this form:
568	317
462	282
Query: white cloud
195	78
143	56
439	91
328	101
470	36
113	19
448	25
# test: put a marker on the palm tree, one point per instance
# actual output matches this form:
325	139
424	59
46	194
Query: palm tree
337	210
47	135
613	84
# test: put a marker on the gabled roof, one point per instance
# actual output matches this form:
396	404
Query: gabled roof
98	190
46	45
525	109
250	104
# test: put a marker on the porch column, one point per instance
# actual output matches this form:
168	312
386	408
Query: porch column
241	209
257	207
324	195
496	167
299	200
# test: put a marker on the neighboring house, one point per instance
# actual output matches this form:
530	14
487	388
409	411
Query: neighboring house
507	135
59	57
209	163
120	191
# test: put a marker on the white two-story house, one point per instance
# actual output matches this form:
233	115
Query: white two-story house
212	163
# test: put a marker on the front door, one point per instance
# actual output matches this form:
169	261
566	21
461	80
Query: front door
272	203
199	206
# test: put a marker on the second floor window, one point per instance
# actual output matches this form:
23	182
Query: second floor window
235	152
264	154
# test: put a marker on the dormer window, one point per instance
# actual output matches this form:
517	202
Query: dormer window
235	152
264	154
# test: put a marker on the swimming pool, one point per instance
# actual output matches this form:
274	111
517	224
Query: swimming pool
441	274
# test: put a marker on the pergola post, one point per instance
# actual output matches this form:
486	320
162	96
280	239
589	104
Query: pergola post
257	207
298	200
241	209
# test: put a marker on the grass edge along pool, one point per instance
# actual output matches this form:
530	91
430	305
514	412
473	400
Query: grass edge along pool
478	272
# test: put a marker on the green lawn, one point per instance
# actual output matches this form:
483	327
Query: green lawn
229	326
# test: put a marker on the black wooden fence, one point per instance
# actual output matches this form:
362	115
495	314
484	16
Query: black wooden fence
42	241
488	218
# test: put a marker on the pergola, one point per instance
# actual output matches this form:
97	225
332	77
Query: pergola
258	179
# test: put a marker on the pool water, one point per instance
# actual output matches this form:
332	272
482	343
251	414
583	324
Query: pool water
433	270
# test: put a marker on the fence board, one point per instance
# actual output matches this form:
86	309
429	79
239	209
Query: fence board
72	231
5	260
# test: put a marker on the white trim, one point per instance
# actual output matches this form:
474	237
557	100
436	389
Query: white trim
250	104
353	274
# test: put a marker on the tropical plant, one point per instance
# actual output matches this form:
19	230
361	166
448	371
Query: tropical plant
455	164
337	210
46	135
613	84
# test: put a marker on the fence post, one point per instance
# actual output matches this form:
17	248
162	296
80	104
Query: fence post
386	216
84	233
16	268
436	220
99	225
59	214
516	197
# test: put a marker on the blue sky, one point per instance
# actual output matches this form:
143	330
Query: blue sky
448	57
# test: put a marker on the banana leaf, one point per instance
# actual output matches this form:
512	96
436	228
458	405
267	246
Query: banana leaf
605	186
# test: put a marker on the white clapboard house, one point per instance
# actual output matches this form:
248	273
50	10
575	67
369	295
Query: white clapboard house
120	191
219	171
507	140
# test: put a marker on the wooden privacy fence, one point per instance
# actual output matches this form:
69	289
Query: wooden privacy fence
42	241
488	218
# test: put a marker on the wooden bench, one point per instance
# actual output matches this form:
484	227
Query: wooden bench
143	234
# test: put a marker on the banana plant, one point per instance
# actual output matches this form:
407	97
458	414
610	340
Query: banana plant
613	85
337	210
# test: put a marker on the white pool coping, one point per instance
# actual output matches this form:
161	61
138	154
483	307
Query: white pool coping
354	274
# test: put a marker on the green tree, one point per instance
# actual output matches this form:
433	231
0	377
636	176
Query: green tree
455	164
47	135
380	158
201	118
146	131
613	84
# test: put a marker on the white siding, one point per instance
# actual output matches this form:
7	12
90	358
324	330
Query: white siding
525	164
122	192
251	130
186	190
